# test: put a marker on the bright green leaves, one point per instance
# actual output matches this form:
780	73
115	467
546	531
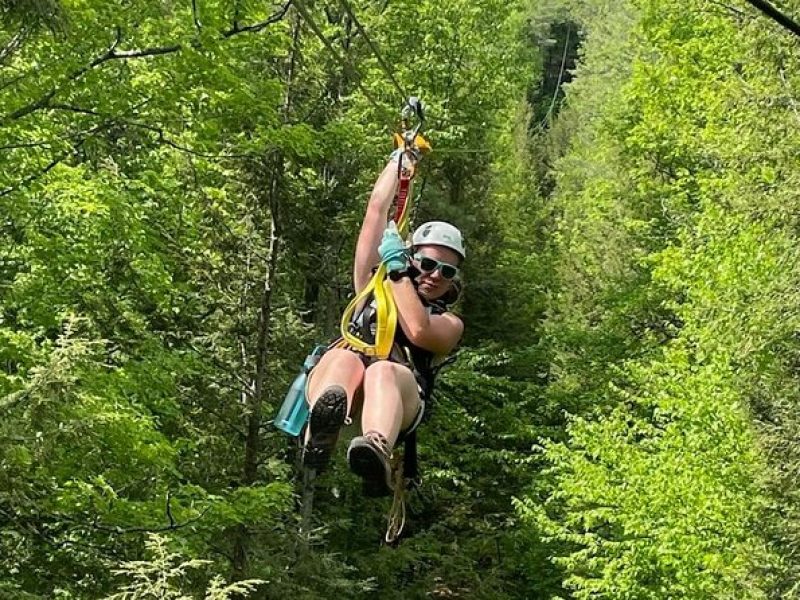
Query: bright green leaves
674	313
254	506
737	280
164	574
175	187
636	498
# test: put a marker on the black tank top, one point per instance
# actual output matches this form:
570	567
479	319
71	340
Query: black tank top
421	361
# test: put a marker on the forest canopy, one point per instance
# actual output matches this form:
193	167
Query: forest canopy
182	187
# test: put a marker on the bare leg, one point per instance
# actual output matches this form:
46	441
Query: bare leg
336	367
391	399
331	388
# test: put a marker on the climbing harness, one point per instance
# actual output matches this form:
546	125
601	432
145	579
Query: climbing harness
376	307
379	286
404	468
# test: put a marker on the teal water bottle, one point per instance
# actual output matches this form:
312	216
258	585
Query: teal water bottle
293	413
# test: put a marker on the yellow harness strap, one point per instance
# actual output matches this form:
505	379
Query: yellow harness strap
385	307
379	285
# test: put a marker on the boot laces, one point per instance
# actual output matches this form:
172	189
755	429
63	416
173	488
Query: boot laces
378	441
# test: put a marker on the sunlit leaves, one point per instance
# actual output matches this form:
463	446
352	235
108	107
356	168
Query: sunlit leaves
675	310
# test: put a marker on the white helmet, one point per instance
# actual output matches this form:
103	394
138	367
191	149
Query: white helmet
439	233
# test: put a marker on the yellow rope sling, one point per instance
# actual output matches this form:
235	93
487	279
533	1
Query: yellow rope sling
379	285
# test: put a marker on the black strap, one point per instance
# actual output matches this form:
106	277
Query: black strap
410	461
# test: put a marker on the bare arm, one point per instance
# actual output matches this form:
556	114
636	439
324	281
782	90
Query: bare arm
375	219
436	333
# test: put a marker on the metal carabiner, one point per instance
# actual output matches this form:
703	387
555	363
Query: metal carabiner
412	108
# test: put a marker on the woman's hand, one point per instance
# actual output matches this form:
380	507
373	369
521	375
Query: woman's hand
392	250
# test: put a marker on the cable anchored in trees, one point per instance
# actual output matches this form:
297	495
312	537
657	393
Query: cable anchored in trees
346	64
374	48
776	15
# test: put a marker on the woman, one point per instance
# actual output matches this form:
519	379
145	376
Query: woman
394	389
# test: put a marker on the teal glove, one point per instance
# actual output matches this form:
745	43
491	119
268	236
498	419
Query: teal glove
392	250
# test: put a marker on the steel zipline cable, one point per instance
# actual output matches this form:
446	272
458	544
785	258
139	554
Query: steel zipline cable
776	15
345	62
349	66
548	115
374	48
303	11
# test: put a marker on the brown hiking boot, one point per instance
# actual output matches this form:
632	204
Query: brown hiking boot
368	457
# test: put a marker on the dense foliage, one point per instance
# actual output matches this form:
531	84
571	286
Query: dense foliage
181	188
673	329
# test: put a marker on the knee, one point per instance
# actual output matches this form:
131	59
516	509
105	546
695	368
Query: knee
387	372
341	359
337	366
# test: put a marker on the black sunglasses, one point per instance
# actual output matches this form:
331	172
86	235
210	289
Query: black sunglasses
428	265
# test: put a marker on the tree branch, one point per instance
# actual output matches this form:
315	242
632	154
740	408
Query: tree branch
258	26
14	80
81	135
728	7
78	143
172	526
13	45
169	508
197	24
125	54
160	132
36	144
113	54
41	173
34	529
43	100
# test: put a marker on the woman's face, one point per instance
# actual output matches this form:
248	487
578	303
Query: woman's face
432	284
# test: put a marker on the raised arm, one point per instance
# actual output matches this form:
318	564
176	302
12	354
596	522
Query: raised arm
375	219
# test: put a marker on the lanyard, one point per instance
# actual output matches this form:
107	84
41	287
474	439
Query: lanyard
379	286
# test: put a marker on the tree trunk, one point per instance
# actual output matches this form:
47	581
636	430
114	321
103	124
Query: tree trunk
275	169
